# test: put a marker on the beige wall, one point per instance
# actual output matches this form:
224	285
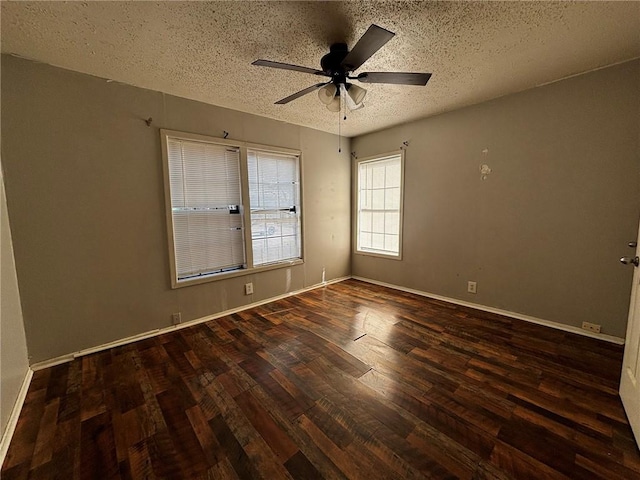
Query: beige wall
542	235
13	346
86	204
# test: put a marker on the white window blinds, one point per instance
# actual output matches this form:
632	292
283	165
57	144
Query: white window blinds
379	205
274	192
205	207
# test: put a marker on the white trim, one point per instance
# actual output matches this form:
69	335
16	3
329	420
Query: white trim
507	313
153	333
15	414
52	362
116	343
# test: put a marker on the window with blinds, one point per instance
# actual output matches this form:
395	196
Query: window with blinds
206	205
274	198
379	205
232	208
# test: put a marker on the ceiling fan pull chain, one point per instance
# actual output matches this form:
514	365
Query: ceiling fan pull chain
339	131
339	125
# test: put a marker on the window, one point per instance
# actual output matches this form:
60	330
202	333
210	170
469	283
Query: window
274	190
230	209
379	205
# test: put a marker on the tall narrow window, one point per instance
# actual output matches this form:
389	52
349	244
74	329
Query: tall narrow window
205	207
379	205
274	197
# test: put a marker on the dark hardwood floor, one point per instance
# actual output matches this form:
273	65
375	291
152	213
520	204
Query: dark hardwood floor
347	381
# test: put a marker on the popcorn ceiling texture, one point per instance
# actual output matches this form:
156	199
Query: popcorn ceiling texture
203	50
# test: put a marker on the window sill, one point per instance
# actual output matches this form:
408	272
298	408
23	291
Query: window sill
378	255
235	273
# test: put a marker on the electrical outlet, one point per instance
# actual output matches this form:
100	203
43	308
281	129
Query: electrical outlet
591	327
176	318
472	287
248	288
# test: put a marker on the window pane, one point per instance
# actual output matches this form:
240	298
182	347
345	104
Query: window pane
286	195
377	202
362	176
274	249
204	184
289	224
273	226
259	249
267	170
391	242
365	199
274	191
392	199
365	239
377	241
287	172
365	221
378	222
290	247
391	222
393	175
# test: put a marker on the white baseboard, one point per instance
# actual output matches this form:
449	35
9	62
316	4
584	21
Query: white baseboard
52	362
15	414
152	333
506	313
124	341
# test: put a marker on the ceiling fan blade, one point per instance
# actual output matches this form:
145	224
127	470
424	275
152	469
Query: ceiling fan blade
287	66
397	78
373	40
301	93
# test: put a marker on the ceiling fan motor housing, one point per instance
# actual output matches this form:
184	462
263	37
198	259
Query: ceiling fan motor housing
331	63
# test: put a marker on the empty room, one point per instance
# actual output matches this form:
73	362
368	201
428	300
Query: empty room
346	239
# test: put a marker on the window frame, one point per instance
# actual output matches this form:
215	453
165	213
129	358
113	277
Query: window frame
356	204
245	208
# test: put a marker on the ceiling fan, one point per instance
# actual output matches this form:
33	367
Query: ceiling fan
340	63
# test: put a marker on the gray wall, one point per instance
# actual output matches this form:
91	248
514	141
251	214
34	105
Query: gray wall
86	205
543	233
13	346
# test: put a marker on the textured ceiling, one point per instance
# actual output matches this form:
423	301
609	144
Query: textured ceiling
203	50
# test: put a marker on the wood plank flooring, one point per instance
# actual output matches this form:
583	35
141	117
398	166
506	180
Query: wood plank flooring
348	381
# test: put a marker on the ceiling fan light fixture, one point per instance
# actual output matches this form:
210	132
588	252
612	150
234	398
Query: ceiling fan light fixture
327	93
350	98
356	94
334	105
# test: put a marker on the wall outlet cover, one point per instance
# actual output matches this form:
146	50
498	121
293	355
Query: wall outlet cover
591	327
